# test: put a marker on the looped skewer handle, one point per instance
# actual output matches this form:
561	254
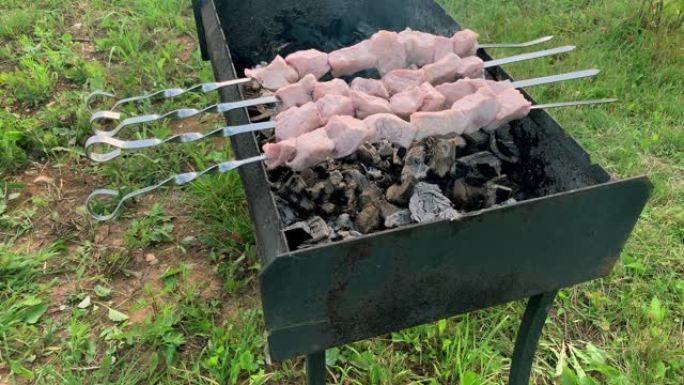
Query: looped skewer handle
188	137
177	180
516	45
169	93
102	119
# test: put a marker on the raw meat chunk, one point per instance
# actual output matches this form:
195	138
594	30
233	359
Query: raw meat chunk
433	100
403	79
279	153
296	121
471	67
349	60
348	133
388	50
407	102
465	43
370	86
511	105
275	75
298	93
311	148
444	70
460	88
331	105
366	105
333	87
443	46
390	127
479	109
438	123
310	61
419	46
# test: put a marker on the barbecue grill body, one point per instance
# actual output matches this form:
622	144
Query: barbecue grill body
333	294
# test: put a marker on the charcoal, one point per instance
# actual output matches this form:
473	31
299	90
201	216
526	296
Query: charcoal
328	188
354	178
287	215
385	181
344	222
349	234
385	149
429	204
400	194
368	219
351	199
399	218
468	197
309	177
398	156
477	168
505	150
307	232
443	156
304	204
335	178
294	184
384	165
368	155
477	140
316	191
414	164
386	208
497	194
328	208
370	195
374	173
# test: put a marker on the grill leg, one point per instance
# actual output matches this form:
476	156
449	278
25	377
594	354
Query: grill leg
315	368
527	339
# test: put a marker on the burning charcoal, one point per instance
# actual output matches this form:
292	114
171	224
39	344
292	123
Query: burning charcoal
414	164
311	231
477	168
497	194
477	140
385	149
443	157
336	178
429	204
370	195
400	194
368	155
328	208
354	177
398	219
503	146
368	219
344	222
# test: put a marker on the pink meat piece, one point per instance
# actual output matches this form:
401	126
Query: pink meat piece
348	133
498	86
460	88
349	60
370	86
310	149
511	105
443	47
403	79
277	154
438	123
419	46
478	108
433	100
366	105
471	67
390	127
310	61
275	75
332	87
296	121
298	93
389	52
407	102
443	70
465	43
331	105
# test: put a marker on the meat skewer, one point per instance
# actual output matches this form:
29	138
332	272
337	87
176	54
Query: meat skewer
316	146
297	121
306	61
102	122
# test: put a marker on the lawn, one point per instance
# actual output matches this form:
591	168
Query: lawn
166	294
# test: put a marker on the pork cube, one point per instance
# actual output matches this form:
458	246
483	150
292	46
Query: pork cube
298	93
465	43
310	149
370	86
332	87
296	121
460	88
331	105
419	46
471	67
390	127
366	105
433	100
499	86
403	79
443	47
478	108
278	154
511	105
275	75
438	123
349	60
407	102
348	133
310	61
390	54
443	70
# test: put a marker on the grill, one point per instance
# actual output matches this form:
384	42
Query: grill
329	295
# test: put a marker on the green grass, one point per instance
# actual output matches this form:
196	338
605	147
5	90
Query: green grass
167	293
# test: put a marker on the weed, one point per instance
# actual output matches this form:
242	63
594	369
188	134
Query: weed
154	228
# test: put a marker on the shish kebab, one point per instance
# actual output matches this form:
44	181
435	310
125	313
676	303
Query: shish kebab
341	137
418	48
308	89
307	119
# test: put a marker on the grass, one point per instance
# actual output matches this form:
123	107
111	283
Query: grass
167	293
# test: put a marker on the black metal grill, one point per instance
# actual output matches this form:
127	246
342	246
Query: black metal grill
326	296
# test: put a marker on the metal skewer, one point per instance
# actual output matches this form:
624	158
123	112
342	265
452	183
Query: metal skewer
208	87
100	120
573	104
131	145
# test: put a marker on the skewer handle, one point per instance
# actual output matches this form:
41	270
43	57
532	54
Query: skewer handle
517	45
177	180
